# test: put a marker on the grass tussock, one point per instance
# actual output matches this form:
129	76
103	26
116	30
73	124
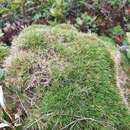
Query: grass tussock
68	79
3	52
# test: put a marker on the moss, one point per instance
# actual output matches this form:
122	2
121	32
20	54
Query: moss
82	91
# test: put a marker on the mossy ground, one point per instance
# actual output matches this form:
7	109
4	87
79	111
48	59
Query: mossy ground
77	89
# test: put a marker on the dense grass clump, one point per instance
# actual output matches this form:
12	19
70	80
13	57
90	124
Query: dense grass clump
78	91
37	37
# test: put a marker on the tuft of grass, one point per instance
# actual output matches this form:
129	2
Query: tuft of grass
65	27
4	51
41	36
82	92
19	71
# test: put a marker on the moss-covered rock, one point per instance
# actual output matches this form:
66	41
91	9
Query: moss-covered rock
71	77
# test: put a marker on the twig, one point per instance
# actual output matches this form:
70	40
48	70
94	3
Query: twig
79	118
71	123
2	100
3	105
36	121
33	123
84	119
21	103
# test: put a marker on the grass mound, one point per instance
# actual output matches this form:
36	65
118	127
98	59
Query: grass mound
71	77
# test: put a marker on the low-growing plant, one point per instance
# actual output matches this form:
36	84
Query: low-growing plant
87	23
57	9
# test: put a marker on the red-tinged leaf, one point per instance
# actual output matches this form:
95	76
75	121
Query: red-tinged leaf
128	10
119	38
129	69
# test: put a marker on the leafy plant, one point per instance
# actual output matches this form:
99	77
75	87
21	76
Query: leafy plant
115	2
118	35
57	9
117	29
87	23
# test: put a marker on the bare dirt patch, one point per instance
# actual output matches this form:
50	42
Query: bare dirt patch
122	79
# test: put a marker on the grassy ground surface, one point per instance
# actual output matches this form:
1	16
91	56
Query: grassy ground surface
70	77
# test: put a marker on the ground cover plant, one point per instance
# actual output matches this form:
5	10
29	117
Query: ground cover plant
65	79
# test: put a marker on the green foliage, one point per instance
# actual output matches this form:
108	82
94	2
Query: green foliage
57	9
63	10
117	29
115	2
88	22
40	9
70	5
8	6
9	11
